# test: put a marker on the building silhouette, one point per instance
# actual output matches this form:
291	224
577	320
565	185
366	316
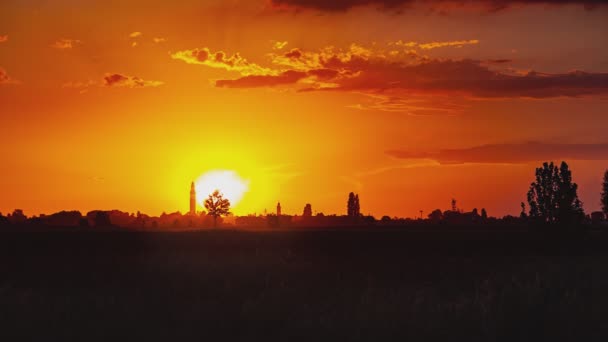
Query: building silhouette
279	209
192	199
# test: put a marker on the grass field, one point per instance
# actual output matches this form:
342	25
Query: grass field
303	285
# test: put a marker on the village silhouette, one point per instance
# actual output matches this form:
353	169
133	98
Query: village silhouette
552	200
452	275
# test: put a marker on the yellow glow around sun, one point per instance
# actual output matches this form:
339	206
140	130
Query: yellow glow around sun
227	182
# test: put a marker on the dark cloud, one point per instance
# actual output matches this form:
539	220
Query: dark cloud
324	74
118	80
288	77
257	81
472	78
499	61
492	5
396	74
510	153
294	53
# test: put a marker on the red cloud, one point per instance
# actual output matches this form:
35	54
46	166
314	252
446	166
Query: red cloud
471	78
491	5
499	61
294	53
365	71
392	75
324	74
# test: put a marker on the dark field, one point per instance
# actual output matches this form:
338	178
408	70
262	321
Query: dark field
315	285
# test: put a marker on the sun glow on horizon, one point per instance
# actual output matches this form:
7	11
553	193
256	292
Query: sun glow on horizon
228	182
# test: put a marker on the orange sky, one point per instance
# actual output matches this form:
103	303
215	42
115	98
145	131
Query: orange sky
105	105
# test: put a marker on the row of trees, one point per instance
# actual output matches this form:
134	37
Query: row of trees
553	197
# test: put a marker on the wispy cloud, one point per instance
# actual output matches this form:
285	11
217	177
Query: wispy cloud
3	38
257	81
435	45
383	169
456	43
119	80
82	87
5	78
278	45
219	59
411	105
509	153
499	61
112	80
65	43
134	36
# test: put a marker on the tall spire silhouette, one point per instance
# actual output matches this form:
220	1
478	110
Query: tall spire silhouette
192	199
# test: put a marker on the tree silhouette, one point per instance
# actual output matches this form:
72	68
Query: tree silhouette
454	208
217	206
3	220
523	214
307	210
484	214
353	209
605	194
101	219
553	198
436	216
350	205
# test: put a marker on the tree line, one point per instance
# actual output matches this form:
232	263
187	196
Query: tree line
552	199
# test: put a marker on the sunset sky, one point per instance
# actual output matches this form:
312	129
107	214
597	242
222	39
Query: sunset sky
121	104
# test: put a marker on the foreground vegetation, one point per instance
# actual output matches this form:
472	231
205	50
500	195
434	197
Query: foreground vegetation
321	285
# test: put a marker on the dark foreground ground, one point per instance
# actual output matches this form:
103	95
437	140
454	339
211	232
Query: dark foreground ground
311	286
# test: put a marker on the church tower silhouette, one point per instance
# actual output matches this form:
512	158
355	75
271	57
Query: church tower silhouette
192	199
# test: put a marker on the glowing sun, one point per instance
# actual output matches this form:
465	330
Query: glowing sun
227	182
